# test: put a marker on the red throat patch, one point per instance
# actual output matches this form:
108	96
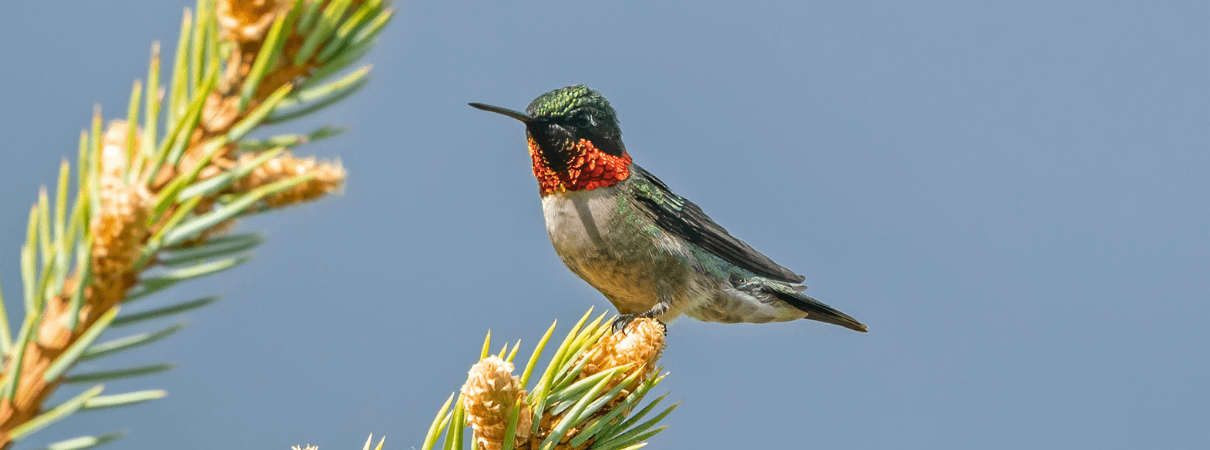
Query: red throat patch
591	168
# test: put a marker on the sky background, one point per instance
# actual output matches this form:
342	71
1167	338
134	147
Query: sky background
1013	197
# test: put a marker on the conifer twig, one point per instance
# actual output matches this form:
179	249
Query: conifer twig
165	192
584	399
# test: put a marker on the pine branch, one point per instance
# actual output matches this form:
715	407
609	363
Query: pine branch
583	400
164	192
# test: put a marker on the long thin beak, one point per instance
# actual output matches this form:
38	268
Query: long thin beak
505	111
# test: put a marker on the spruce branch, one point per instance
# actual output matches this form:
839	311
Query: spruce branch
163	193
583	400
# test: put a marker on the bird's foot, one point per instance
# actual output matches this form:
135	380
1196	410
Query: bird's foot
619	324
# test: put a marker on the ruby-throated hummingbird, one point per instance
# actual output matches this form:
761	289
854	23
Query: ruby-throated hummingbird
651	252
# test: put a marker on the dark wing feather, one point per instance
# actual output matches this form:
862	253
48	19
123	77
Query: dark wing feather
678	215
817	310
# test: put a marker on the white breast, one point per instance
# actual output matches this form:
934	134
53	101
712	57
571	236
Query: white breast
579	219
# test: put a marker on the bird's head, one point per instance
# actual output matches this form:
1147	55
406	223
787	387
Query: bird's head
574	140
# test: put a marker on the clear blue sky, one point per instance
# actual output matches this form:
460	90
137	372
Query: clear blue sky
1014	198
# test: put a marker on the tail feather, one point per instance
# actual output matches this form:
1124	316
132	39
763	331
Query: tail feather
818	311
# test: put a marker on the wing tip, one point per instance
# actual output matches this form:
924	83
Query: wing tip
839	319
858	326
819	311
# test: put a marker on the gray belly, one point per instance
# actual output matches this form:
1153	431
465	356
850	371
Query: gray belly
610	246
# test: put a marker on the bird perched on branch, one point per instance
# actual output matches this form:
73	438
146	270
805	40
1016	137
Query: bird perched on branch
651	252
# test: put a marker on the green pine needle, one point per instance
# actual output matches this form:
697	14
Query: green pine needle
309	15
83	280
197	46
270	50
119	400
457	422
109	375
370	439
290	140
224	246
257	116
6	338
13	374
84	442
180	66
213	184
487	346
360	18
158	283
29	271
164	311
328	21
435	428
124	344
533	358
54	415
230	210
128	342
151	112
316	98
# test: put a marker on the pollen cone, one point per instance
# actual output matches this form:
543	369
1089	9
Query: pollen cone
488	397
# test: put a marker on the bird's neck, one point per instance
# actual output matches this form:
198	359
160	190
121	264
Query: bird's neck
583	167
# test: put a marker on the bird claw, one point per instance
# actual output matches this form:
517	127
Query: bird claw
619	324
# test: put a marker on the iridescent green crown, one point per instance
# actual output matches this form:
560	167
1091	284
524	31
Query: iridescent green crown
573	101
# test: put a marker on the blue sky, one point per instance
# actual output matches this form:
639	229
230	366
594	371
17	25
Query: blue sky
1012	196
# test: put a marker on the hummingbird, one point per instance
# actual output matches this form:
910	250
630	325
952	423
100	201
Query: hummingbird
651	252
